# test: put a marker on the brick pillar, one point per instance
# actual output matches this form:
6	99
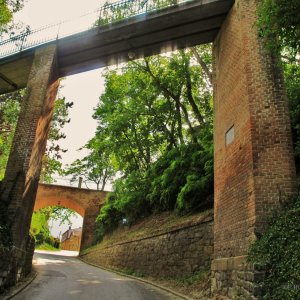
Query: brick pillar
89	227
20	183
254	162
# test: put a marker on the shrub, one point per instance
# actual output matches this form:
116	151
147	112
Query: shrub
278	253
180	179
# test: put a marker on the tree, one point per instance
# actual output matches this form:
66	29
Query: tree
96	167
39	227
51	160
156	115
278	22
7	26
153	105
9	111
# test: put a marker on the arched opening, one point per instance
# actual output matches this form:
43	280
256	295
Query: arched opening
61	216
57	228
86	203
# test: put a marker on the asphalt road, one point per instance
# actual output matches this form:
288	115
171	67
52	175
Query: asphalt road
63	278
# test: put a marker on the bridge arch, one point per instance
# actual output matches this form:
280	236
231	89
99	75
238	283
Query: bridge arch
85	202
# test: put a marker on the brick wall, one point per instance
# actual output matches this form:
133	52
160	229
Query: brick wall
85	202
255	170
171	254
71	244
20	183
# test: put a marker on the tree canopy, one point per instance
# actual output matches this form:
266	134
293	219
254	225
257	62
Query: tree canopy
278	24
10	105
156	118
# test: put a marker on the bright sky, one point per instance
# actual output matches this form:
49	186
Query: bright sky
83	89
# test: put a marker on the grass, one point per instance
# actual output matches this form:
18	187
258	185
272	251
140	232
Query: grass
194	278
152	225
46	247
129	271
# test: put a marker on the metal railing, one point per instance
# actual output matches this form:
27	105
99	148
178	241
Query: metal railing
68	182
107	14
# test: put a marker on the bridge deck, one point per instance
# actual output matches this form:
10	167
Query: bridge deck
177	27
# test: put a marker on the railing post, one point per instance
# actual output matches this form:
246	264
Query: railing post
22	43
58	29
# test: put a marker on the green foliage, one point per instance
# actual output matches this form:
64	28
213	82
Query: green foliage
5	13
7	9
292	79
182	179
39	227
131	272
277	252
279	23
51	160
49	247
97	166
10	105
9	112
195	277
108	219
155	117
111	13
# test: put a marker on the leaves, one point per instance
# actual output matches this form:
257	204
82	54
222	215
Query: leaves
10	105
97	166
156	117
39	227
277	252
278	23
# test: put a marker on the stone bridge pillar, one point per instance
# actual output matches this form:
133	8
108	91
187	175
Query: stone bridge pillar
19	187
254	163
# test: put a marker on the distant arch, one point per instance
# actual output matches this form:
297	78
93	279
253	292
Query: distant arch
85	202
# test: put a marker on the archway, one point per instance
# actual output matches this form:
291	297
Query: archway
85	202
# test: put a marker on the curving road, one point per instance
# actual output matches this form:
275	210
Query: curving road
63	278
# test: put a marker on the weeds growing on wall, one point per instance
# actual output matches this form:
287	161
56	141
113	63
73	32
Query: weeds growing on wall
278	253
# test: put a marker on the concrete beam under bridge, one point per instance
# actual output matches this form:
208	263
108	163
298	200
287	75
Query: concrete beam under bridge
177	27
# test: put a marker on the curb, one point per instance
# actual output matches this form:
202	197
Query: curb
20	286
138	279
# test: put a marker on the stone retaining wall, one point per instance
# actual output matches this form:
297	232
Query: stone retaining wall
176	253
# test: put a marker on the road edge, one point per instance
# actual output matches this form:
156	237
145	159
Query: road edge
138	278
20	286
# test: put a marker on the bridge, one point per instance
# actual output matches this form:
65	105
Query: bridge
254	169
85	202
145	32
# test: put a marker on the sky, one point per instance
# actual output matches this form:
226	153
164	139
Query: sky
83	89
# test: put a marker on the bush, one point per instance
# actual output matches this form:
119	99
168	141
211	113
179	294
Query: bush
278	253
180	179
108	218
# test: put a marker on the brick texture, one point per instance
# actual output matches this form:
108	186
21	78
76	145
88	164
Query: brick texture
85	202
20	183
255	172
